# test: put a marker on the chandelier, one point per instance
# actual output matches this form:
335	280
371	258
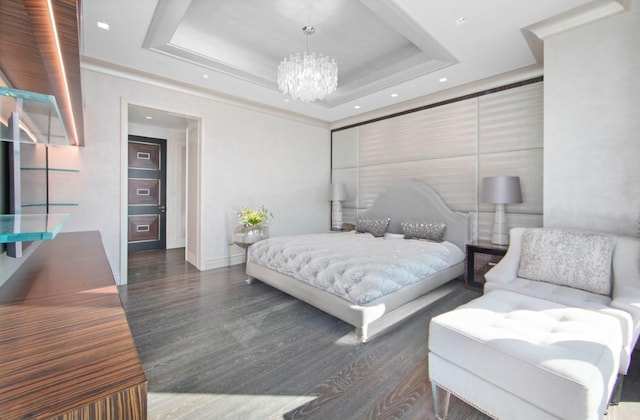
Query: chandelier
308	77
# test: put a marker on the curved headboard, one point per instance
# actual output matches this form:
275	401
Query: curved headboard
415	201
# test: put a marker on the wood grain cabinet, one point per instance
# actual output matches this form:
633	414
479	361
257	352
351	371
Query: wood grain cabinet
66	350
481	257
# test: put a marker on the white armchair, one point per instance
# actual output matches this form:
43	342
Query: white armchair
623	302
560	316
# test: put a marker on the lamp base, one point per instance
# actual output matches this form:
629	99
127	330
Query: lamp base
336	215
500	234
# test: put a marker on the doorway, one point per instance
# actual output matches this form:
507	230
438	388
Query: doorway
181	215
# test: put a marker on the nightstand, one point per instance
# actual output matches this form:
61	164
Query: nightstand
481	257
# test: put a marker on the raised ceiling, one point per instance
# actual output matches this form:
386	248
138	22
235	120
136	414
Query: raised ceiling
383	47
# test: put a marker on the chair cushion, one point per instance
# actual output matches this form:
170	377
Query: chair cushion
580	299
535	349
574	259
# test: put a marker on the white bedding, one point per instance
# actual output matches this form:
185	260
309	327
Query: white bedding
357	267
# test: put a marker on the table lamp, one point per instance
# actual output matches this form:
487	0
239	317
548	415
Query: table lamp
338	194
500	190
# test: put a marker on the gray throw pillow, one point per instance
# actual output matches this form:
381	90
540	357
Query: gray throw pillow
376	227
573	259
431	231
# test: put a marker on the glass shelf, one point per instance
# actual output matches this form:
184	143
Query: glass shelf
51	169
39	116
30	227
50	205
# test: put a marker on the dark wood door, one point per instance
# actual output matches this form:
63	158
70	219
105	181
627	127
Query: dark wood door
147	193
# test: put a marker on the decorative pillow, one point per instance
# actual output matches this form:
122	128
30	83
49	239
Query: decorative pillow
376	227
430	231
578	260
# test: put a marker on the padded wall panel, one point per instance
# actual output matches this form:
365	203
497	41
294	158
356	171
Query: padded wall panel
444	131
527	164
451	147
485	222
454	179
511	119
349	215
344	149
349	177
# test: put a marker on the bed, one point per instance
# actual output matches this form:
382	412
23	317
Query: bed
412	273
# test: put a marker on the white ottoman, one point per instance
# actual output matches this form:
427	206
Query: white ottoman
517	357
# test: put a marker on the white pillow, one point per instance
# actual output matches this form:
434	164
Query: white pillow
573	259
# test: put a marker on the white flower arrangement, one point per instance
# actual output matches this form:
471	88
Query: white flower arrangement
254	217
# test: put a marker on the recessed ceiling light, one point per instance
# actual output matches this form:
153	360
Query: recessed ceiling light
206	76
149	117
287	100
103	25
357	107
461	20
394	95
442	79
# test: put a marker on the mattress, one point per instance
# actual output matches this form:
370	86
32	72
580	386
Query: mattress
357	267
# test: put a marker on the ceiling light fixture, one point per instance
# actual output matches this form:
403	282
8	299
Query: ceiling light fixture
394	95
308	77
442	79
103	25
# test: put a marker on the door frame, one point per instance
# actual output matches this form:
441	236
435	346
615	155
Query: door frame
124	142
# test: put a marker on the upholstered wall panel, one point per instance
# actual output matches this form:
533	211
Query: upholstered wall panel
348	177
452	178
527	164
485	222
344	150
511	119
444	131
450	147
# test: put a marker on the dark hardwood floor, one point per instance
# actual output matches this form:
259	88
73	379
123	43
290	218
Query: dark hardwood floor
215	347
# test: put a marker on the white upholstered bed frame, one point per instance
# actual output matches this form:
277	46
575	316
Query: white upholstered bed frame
403	201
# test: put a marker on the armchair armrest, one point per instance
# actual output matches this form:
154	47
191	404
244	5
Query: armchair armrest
507	269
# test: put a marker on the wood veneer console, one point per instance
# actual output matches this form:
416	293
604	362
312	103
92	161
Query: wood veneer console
66	351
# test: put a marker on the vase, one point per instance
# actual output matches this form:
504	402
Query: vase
245	236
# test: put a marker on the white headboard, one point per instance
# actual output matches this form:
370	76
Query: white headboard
415	201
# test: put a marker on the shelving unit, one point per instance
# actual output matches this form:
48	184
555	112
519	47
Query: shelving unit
47	174
29	118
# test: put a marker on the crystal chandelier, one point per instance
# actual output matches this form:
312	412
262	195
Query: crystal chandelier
308	77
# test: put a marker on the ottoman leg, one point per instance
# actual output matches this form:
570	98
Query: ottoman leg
440	401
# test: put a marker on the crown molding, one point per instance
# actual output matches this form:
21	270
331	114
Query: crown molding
573	18
115	70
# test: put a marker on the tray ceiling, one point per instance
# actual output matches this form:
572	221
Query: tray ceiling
408	48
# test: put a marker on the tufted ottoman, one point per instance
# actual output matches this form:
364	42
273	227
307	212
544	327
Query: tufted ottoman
517	357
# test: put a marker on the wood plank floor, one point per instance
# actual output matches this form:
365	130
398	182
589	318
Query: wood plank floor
214	347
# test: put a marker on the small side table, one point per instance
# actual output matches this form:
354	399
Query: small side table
481	257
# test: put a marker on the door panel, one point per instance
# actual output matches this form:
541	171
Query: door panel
144	192
144	228
144	155
147	193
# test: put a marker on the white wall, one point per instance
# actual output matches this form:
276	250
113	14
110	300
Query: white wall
592	126
249	157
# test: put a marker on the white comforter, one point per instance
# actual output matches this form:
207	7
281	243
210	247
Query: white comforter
357	267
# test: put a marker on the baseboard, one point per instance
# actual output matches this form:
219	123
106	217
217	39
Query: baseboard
232	259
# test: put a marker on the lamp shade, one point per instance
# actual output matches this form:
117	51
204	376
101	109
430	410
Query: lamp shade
338	191
500	190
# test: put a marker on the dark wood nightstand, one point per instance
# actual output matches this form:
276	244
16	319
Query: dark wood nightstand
481	257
